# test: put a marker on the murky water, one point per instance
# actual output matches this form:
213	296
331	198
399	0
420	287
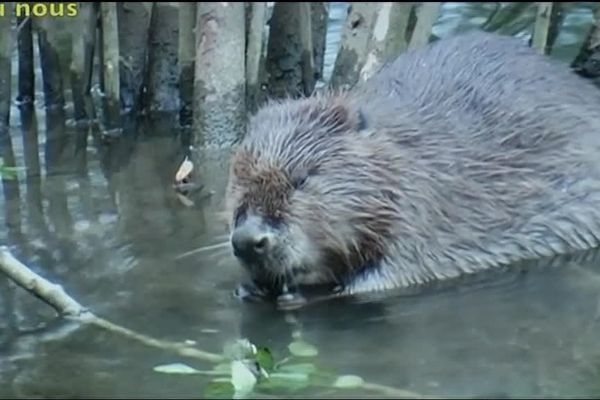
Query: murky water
114	244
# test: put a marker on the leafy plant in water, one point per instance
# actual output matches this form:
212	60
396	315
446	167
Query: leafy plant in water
8	172
251	370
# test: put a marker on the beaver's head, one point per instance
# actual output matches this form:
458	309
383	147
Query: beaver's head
308	197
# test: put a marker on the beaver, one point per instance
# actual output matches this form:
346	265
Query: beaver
471	153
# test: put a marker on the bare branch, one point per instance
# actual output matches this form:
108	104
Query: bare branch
54	295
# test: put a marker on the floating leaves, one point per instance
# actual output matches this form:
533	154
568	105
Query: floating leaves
300	368
286	381
220	388
242	378
9	172
265	359
176	368
250	370
184	171
183	183
302	349
348	382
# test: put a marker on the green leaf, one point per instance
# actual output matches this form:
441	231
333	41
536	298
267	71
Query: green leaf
222	380
219	389
290	376
8	172
302	349
176	368
279	382
242	378
224	368
348	382
300	368
265	359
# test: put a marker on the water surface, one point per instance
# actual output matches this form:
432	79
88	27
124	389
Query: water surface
114	243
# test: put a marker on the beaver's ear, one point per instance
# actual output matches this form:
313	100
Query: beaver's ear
337	116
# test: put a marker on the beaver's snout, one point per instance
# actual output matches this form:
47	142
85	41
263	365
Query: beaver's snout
250	241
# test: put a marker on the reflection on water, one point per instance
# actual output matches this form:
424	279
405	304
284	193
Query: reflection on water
112	239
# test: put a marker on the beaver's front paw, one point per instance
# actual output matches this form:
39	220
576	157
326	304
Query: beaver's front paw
249	292
290	301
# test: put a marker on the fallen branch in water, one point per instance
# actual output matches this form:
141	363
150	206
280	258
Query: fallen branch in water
54	295
67	307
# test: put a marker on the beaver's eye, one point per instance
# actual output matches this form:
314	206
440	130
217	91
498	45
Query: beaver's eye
299	179
240	214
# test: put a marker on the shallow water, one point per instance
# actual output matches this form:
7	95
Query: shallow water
114	244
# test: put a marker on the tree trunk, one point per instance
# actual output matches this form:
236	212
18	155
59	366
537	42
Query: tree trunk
10	186
319	20
389	36
163	69
427	16
5	70
187	46
549	18
256	15
507	17
219	81
110	70
83	40
354	44
290	65
26	93
539	40
134	23
53	70
587	62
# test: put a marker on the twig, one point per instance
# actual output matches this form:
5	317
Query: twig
51	293
54	295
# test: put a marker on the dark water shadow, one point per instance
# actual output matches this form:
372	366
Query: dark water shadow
10	187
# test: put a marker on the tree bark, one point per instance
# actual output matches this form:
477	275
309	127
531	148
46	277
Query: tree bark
539	40
587	61
110	70
427	16
187	46
389	36
354	44
163	68
134	23
54	69
10	186
256	15
219	81
290	64
5	70
319	24
83	41
26	93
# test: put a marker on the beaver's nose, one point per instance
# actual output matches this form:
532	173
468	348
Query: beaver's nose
249	243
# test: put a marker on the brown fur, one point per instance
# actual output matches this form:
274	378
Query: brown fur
472	153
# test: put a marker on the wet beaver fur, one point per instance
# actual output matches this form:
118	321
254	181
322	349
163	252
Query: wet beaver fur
471	153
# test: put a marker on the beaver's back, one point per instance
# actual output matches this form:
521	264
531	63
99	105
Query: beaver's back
481	80
488	99
500	154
